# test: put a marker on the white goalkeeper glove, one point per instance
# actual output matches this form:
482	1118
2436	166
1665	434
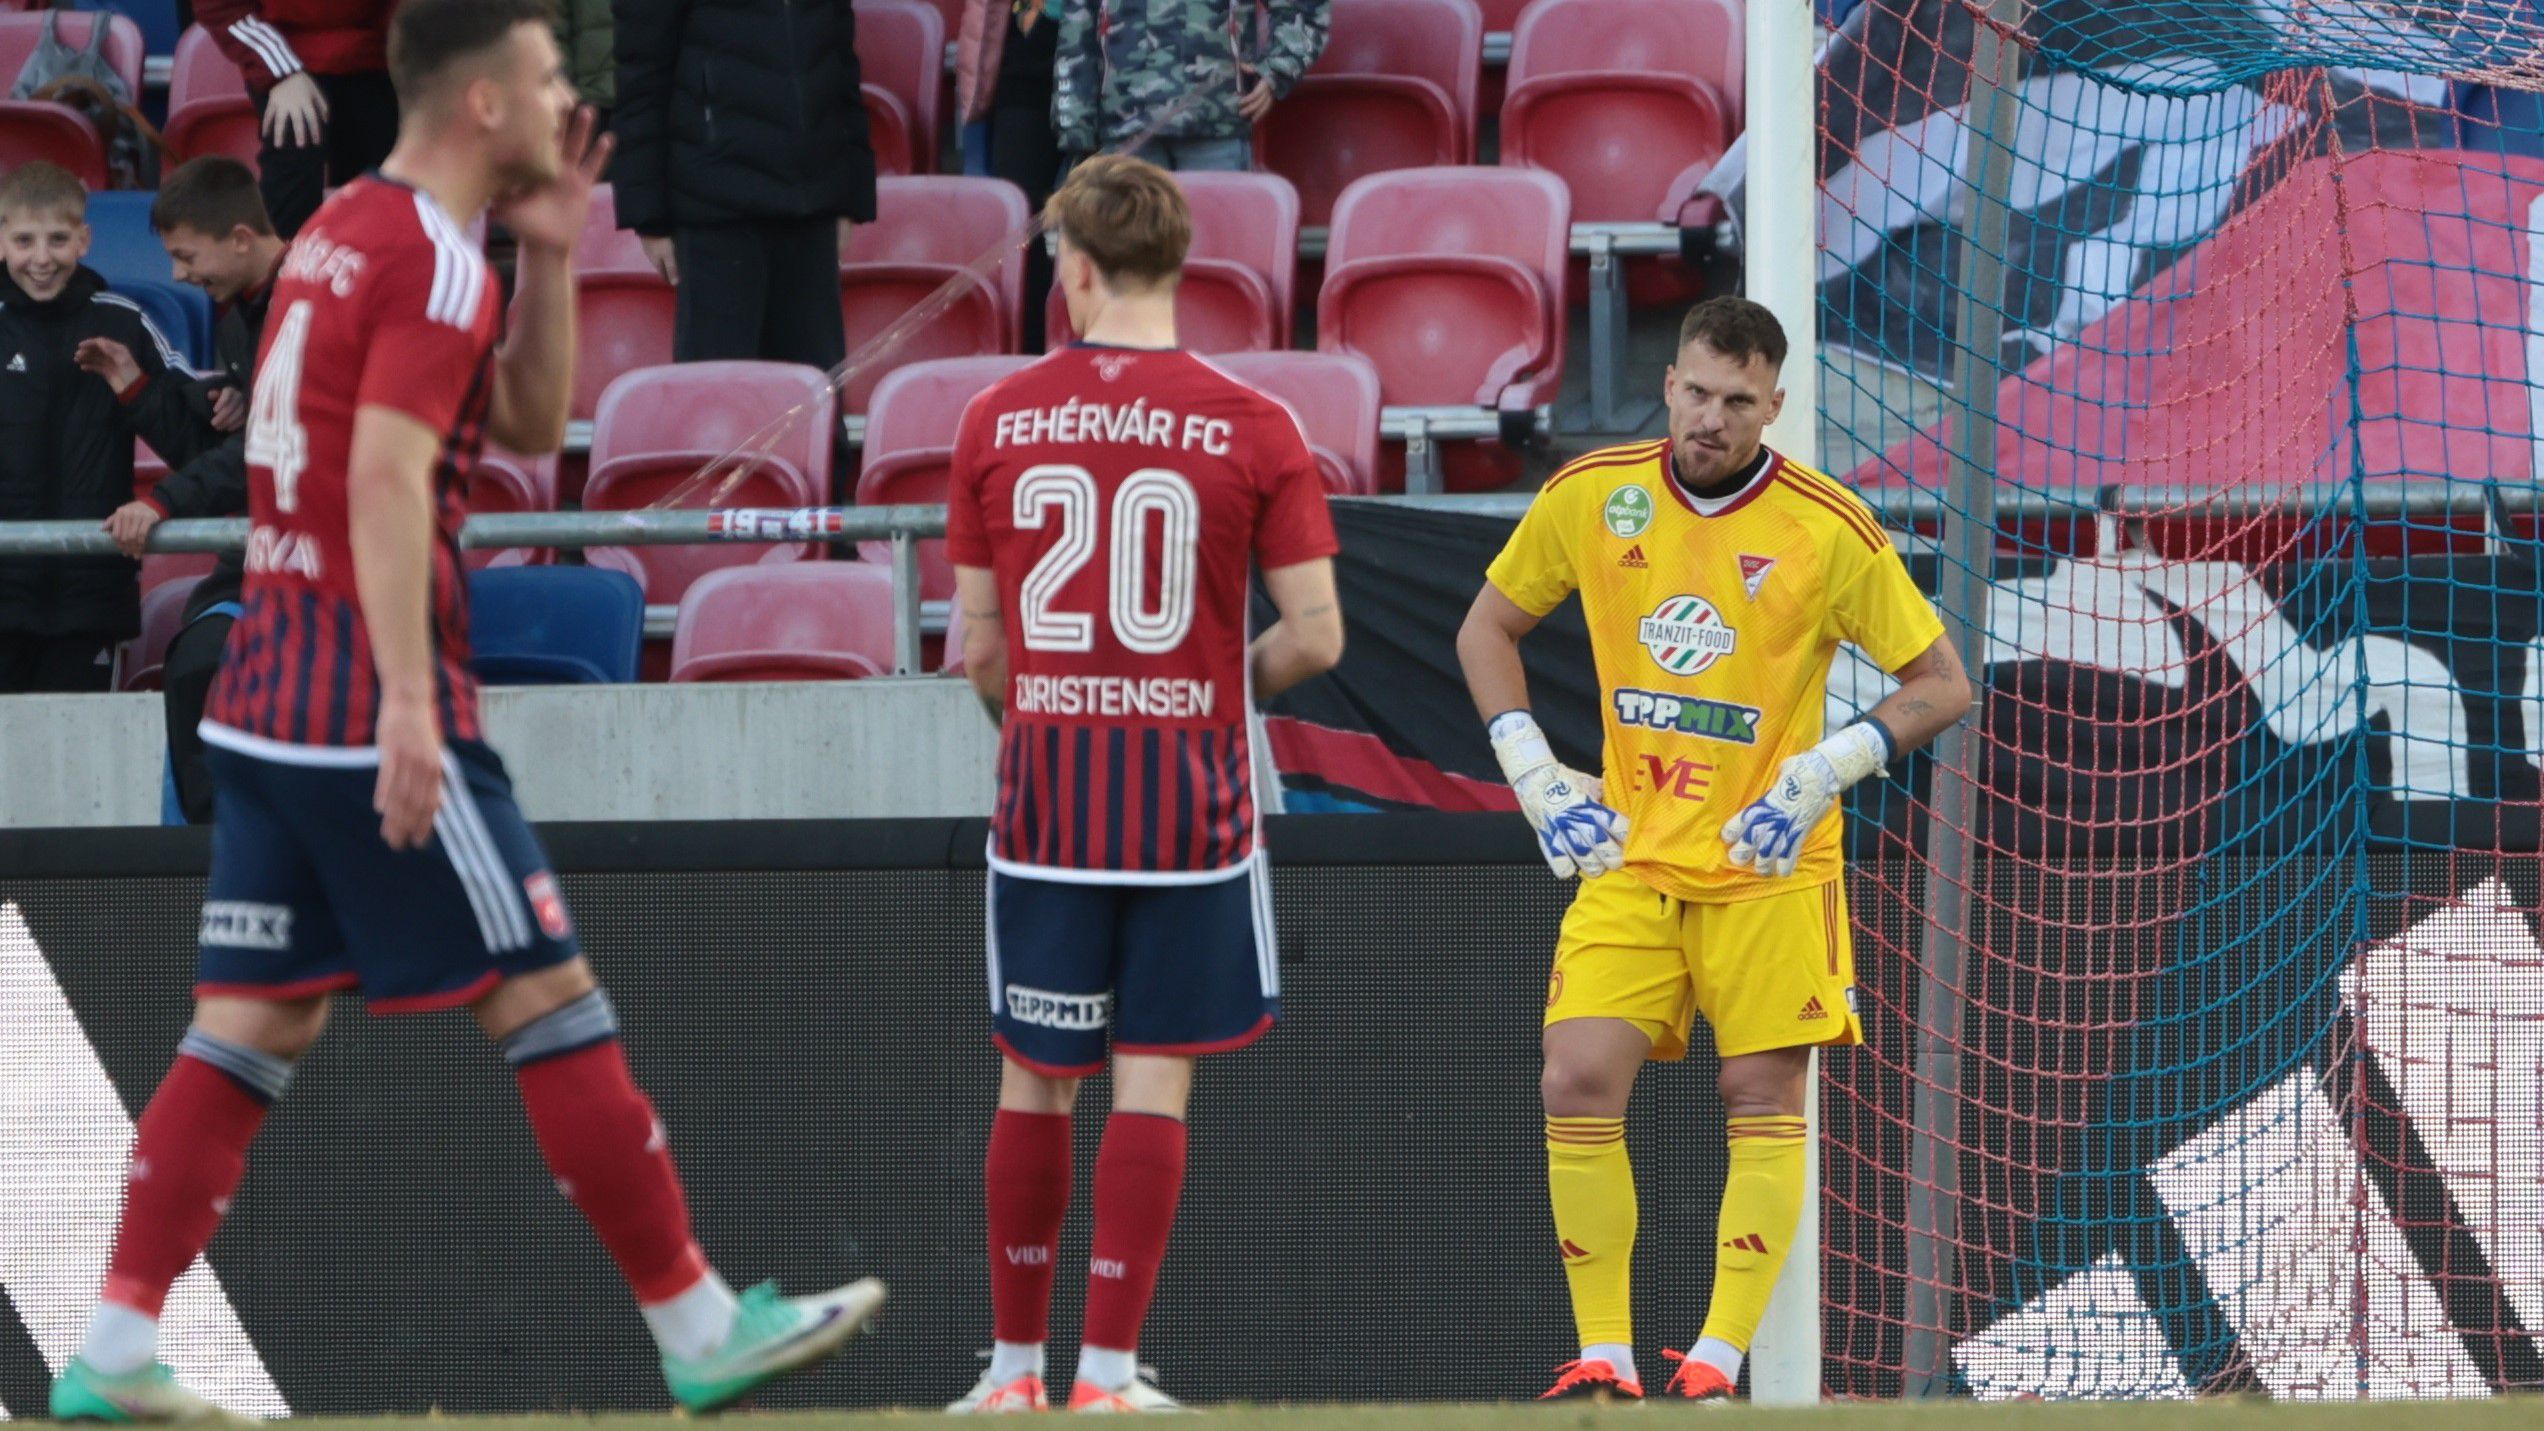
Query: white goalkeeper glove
1574	829
1768	836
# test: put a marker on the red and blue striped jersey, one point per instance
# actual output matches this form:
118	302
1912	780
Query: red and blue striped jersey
382	302
1122	498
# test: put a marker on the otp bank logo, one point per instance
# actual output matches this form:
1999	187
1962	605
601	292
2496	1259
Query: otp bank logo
1685	634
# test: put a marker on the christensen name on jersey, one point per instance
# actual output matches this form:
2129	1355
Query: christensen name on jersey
1116	696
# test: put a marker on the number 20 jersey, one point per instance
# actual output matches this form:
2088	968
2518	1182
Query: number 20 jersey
381	302
1120	496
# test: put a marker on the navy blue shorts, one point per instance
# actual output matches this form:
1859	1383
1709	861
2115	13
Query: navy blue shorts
306	898
1154	968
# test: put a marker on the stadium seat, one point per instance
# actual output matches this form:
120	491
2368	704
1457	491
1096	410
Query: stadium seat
139	661
554	625
1394	89
21	33
901	52
1241	277
1336	398
506	482
160	568
180	311
1501	15
927	230
813	621
209	110
32	130
121	243
910	443
1450	281
1621	98
657	429
157	20
889	131
624	313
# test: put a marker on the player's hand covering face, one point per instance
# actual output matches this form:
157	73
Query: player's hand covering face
549	213
1576	831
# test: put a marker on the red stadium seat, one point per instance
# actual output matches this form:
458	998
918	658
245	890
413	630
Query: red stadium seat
1394	89
901	51
1450	282
32	130
139	661
1241	278
1336	398
21	33
926	231
910	444
1501	15
624	314
1620	98
658	429
504	482
160	568
209	110
888	131
813	621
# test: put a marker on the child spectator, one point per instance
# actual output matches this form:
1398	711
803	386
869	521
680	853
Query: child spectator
213	222
80	377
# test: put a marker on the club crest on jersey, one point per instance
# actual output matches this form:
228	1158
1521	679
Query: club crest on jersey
1685	635
1629	511
1110	366
1753	572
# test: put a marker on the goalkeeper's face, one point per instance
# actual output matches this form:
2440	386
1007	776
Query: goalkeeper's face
1719	408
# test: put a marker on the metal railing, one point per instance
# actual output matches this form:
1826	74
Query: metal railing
904	527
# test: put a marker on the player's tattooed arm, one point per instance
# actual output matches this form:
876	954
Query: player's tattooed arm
1308	639
984	637
1934	692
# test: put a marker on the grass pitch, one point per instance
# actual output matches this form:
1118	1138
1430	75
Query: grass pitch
2237	1415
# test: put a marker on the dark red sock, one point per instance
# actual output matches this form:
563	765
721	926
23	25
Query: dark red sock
608	1152
188	1153
1139	1177
1026	1182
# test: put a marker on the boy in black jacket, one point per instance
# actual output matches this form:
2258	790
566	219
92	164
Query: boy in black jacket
211	216
82	373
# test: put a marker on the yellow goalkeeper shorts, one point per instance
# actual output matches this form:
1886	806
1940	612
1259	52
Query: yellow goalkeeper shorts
1774	972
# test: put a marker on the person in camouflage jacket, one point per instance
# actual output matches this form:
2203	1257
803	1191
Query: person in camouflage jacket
1124	64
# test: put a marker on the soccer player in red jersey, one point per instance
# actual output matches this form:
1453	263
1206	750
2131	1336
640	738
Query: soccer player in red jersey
365	836
1108	506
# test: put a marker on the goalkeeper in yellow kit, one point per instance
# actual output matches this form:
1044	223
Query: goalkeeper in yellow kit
1717	579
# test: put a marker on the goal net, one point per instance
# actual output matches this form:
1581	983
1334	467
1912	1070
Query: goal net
2202	972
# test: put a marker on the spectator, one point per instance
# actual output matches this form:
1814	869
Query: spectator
742	160
319	70
1120	75
586	33
219	239
1002	80
85	374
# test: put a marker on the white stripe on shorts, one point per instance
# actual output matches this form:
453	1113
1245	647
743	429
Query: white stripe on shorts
500	918
1267	947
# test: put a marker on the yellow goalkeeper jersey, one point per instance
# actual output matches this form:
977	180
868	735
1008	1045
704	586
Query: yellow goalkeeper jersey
1712	626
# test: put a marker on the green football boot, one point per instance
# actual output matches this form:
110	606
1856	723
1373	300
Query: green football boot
83	1393
771	1336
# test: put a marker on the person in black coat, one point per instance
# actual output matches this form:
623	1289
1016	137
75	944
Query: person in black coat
82	373
742	160
212	218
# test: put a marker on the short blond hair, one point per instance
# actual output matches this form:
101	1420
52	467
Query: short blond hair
39	187
1127	215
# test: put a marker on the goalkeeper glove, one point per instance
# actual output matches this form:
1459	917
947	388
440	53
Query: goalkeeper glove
1575	831
1768	836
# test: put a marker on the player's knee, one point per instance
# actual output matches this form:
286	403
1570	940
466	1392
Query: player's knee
1765	1085
1578	1088
1021	1090
282	1028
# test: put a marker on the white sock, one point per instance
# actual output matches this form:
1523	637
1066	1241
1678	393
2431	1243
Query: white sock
1010	1360
696	1322
1721	1355
1112	1370
121	1340
1615	1354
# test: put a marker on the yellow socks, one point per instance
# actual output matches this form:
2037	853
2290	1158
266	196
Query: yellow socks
1591	1183
1761	1212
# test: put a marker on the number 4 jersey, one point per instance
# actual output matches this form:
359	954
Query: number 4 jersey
382	302
1121	496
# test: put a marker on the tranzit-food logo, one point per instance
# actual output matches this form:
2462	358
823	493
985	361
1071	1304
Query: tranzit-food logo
1685	635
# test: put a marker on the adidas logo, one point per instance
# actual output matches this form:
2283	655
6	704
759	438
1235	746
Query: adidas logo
1633	558
1573	1250
1749	1243
1814	1009
17	362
